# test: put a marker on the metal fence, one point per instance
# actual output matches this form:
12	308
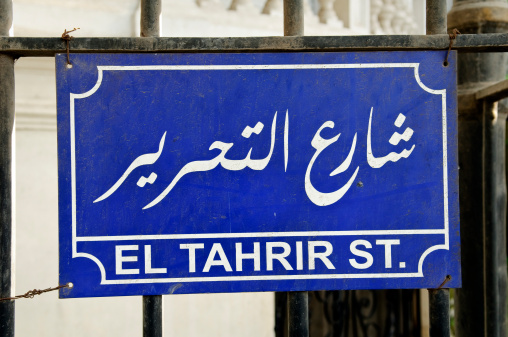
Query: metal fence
481	303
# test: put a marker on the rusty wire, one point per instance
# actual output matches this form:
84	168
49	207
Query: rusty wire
68	38
453	36
447	279
32	293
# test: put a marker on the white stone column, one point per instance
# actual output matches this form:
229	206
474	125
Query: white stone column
327	13
210	4
375	9
309	16
410	25
419	16
386	15
399	18
273	7
354	14
243	6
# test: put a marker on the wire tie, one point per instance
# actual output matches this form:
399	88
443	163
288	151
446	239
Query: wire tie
68	38
447	279
32	293
452	36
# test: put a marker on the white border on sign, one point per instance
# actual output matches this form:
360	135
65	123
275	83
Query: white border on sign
75	239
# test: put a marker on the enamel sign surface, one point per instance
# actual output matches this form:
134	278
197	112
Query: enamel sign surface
198	173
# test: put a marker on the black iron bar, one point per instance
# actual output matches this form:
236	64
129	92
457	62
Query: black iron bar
5	17
439	308
494	194
150	18
152	316
6	185
152	305
293	18
439	299
298	314
6	202
436	17
40	46
298	301
493	92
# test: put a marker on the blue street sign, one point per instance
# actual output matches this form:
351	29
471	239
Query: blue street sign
199	173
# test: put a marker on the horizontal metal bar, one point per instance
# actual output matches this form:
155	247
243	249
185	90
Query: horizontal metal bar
33	46
494	92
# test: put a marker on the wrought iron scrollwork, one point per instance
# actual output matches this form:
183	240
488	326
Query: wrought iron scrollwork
365	313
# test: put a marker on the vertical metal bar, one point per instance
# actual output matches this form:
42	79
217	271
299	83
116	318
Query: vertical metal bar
494	199
439	299
6	186
281	325
152	316
150	18
298	314
298	301
6	239
436	17
293	17
439	308
150	23
480	305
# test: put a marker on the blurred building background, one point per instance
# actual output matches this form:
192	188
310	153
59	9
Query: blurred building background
246	314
